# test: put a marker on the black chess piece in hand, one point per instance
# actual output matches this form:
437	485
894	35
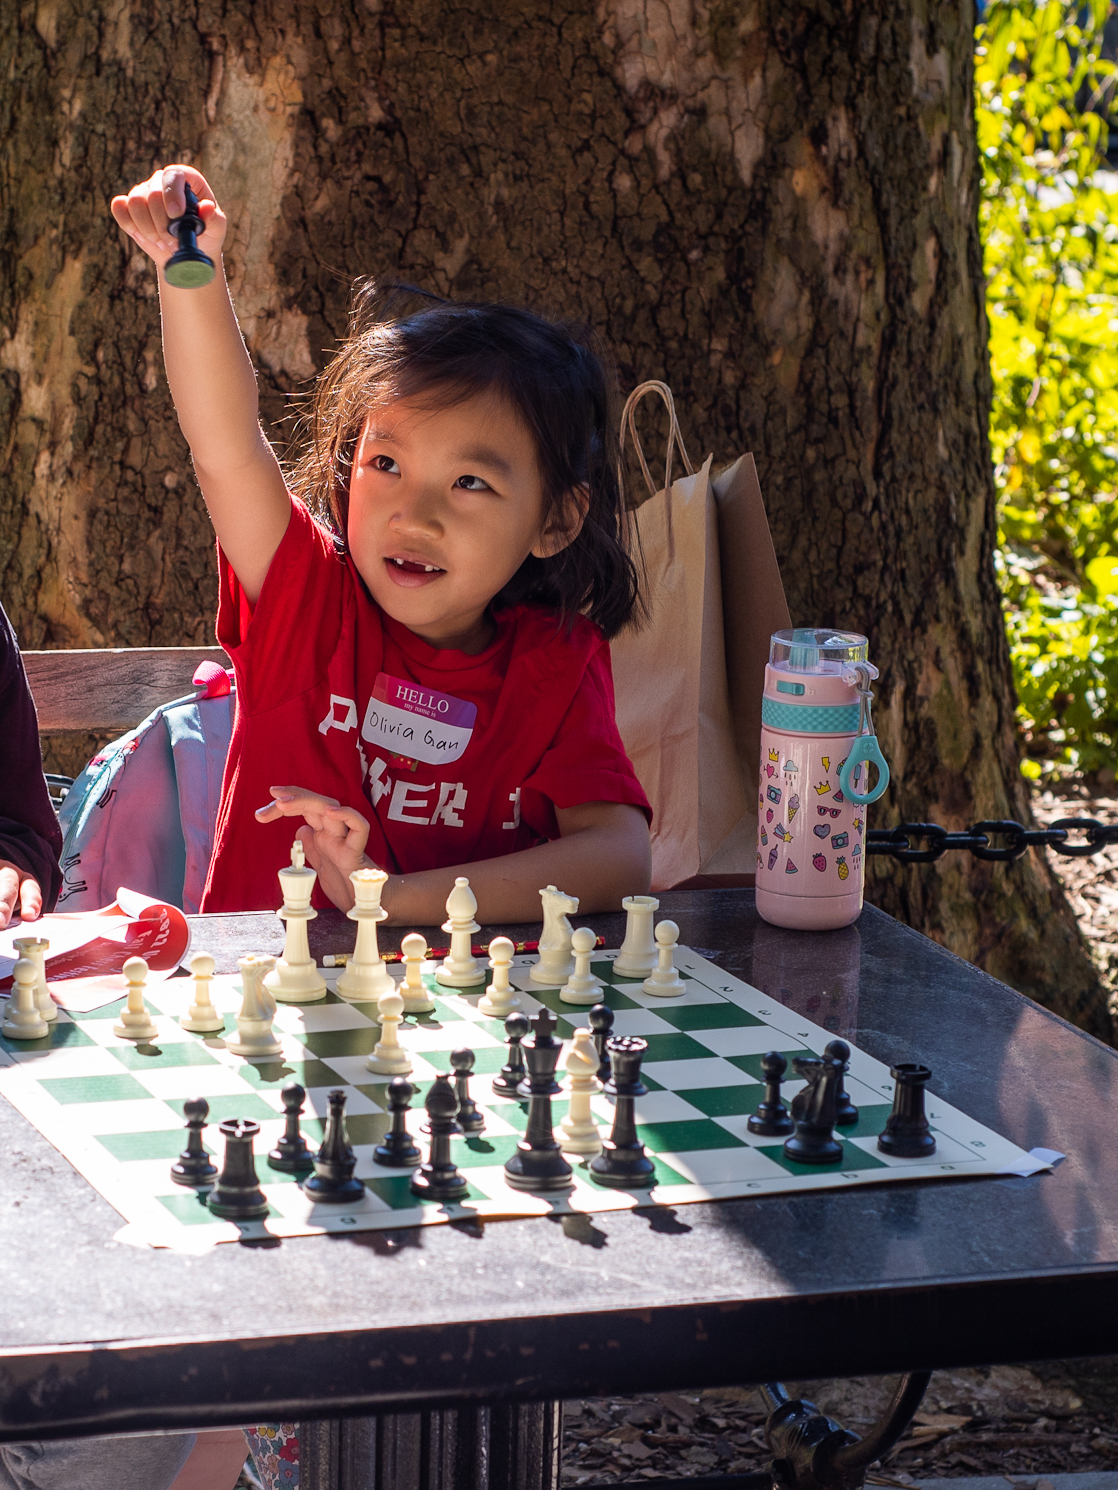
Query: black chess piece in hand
772	1119
397	1149
194	1166
292	1154
188	268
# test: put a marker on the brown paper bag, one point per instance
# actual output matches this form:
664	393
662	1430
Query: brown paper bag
689	683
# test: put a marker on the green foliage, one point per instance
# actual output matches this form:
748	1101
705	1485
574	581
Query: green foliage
1050	229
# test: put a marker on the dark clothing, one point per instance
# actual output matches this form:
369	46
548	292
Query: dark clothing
29	831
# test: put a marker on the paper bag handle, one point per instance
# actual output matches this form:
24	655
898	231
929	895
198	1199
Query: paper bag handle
675	434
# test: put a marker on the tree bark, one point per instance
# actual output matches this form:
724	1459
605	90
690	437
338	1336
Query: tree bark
772	205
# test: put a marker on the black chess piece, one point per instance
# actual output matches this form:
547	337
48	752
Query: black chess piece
772	1119
237	1196
188	268
194	1166
470	1120
512	1074
601	1022
440	1178
538	1163
333	1180
846	1114
623	1162
813	1112
292	1154
906	1134
397	1149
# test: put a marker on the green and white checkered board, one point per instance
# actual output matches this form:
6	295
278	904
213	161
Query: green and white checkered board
114	1109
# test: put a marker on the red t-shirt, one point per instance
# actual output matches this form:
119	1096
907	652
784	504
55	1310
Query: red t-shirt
452	758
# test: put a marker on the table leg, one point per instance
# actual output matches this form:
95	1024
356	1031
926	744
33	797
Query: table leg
510	1446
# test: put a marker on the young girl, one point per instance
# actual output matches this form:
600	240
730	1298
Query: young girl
419	629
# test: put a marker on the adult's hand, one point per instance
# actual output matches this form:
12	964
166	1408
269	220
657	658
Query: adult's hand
19	891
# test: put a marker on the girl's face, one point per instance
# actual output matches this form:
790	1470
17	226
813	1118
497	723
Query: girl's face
444	507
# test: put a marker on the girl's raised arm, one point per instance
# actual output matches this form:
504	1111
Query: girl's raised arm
211	378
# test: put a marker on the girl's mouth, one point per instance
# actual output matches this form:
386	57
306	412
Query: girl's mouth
411	573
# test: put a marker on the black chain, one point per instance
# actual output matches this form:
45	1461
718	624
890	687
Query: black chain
898	843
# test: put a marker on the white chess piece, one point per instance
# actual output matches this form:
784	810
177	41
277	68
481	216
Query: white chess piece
637	957
556	964
366	977
201	1018
578	1130
255	1039
499	998
665	982
389	1058
23	1020
460	968
413	990
36	948
582	987
135	1023
296	979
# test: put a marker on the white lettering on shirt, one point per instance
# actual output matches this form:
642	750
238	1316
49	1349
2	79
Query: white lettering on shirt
404	795
378	786
333	722
514	798
452	800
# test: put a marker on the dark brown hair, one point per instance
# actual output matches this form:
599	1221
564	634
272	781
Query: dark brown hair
549	372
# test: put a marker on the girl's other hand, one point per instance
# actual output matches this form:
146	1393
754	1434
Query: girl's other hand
147	209
333	839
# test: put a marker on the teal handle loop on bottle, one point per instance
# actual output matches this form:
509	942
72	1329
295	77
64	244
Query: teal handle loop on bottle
865	748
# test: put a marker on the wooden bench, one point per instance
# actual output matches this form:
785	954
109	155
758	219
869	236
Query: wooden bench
110	689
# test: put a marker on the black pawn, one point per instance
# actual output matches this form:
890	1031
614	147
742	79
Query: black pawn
601	1022
623	1162
333	1180
188	268
194	1166
470	1119
292	1154
813	1112
237	1196
397	1149
440	1178
846	1114
772	1119
906	1134
512	1074
538	1163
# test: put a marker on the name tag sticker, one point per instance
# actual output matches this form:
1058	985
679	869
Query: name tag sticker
417	722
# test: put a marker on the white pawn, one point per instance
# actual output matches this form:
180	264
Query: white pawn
201	1018
665	982
637	957
36	948
555	965
23	1020
135	1023
460	968
499	998
255	1039
413	990
582	987
578	1130
366	977
296	979
389	1058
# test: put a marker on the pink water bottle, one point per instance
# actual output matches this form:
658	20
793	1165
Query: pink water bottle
817	743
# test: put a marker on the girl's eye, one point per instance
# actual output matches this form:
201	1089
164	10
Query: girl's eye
386	464
472	483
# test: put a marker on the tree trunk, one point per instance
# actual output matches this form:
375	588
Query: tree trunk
770	204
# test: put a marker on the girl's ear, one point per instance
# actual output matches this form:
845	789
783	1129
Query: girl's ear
564	525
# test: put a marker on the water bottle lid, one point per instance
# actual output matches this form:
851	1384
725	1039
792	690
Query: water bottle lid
811	649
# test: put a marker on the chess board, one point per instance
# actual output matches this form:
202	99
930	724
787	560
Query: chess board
114	1109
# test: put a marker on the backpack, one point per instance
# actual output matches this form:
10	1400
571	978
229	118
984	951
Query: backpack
142	813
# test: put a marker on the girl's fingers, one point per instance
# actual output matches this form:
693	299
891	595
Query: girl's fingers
30	899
